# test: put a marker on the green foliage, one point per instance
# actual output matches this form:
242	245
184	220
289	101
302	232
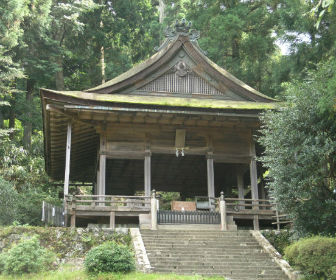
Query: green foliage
279	239
237	35
314	256
117	27
321	8
69	272
8	202
12	12
3	259
27	257
109	257
300	152
23	182
166	198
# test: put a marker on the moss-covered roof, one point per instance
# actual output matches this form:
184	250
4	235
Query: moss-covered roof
175	101
152	64
131	72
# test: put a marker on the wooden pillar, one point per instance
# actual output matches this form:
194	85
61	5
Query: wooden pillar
102	174
112	220
154	209
240	186
147	173
211	175
253	173
67	160
102	166
254	183
96	190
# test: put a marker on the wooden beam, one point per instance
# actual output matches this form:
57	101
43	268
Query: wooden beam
67	160
127	154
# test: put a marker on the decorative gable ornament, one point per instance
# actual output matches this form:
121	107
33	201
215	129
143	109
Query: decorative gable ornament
182	69
180	28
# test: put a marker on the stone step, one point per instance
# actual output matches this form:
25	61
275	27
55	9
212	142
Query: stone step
229	259
200	239
197	232
232	261
210	245
236	255
180	229
228	275
207	250
220	270
230	266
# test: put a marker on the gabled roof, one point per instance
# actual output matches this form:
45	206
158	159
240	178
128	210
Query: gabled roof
180	53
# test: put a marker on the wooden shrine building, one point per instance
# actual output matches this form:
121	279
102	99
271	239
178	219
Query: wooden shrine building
176	122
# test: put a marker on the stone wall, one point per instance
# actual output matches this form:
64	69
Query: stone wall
70	245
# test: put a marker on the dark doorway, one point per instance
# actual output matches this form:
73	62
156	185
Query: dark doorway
124	176
184	174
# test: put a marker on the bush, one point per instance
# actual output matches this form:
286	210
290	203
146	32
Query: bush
3	257
8	202
26	257
279	239
314	256
109	257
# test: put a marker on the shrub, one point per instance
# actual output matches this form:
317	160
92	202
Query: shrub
8	202
28	256
279	239
109	257
3	257
314	256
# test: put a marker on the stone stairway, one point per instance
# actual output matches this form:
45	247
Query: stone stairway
235	255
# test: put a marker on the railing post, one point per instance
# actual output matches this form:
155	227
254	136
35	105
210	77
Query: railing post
112	220
43	213
67	202
222	208
73	213
154	210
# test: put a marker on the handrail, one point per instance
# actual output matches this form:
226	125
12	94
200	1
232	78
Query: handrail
247	199
256	207
116	196
108	202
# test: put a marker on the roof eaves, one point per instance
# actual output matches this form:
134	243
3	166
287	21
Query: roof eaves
176	101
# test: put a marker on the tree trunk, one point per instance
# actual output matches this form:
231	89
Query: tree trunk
59	74
12	115
102	58
161	11
27	132
235	49
102	62
1	120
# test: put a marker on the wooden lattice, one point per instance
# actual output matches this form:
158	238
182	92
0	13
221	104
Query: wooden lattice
187	84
